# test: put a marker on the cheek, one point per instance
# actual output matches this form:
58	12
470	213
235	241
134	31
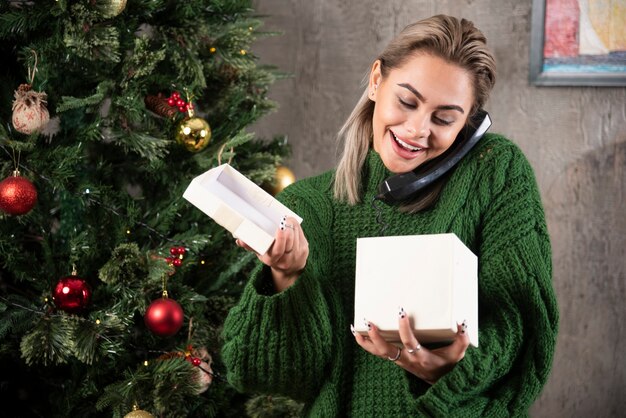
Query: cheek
444	141
385	115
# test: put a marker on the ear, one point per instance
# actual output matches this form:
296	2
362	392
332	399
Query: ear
374	80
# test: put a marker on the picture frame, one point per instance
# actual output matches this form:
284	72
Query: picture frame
556	43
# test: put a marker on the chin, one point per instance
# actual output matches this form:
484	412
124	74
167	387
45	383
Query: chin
399	165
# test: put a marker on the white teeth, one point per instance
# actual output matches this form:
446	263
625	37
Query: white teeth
405	145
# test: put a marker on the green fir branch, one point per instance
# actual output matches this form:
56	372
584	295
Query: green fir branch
232	270
20	21
144	144
50	342
141	62
68	102
127	264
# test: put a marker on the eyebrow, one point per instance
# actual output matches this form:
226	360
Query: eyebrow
423	99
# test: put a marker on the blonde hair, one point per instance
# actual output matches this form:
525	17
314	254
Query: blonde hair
458	42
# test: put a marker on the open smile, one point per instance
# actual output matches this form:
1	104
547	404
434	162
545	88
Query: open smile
404	145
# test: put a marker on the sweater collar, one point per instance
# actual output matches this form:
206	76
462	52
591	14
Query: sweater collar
374	172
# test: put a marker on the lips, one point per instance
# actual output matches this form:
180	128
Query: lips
405	145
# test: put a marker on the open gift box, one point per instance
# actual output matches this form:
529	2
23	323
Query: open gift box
433	277
239	205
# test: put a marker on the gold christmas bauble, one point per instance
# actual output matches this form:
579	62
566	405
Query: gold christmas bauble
111	8
193	133
283	178
138	413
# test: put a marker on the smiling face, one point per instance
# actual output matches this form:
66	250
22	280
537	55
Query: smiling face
420	107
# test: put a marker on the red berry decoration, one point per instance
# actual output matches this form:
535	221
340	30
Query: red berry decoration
71	294
17	195
175	101
177	262
164	317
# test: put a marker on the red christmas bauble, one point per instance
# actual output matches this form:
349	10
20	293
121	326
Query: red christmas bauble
164	317
17	195
71	294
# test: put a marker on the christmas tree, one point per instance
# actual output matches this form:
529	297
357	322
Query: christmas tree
113	288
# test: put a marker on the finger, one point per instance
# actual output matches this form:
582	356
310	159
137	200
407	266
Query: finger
363	341
457	349
245	246
290	230
407	336
277	249
290	255
360	339
381	347
297	235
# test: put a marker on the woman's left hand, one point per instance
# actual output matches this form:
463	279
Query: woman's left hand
428	365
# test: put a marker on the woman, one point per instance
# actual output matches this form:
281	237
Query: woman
290	331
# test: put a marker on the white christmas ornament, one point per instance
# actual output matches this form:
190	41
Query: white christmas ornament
204	377
29	110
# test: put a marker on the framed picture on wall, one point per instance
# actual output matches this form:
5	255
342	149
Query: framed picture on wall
578	43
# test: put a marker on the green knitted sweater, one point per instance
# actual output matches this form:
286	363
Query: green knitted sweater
298	342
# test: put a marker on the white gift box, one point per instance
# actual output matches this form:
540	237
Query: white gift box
236	203
433	277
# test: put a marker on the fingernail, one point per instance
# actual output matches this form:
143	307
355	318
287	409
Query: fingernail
367	324
402	313
352	329
463	326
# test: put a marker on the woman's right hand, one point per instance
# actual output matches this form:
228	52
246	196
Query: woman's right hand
288	254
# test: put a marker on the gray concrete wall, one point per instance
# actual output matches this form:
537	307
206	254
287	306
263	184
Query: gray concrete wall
575	138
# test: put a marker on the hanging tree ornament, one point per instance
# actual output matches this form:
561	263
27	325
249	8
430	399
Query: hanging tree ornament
138	413
72	293
204	374
194	133
282	178
111	8
164	317
17	194
30	114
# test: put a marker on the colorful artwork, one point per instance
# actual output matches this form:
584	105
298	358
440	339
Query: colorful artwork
584	36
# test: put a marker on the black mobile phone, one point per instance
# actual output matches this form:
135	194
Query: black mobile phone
401	187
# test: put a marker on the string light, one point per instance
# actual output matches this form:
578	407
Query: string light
212	50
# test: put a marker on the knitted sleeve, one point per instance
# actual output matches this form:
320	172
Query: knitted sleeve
280	343
518	312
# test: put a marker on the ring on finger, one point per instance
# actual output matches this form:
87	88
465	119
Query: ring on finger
290	226
415	350
397	355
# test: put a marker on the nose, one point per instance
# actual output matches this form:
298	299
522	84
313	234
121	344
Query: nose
418	124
